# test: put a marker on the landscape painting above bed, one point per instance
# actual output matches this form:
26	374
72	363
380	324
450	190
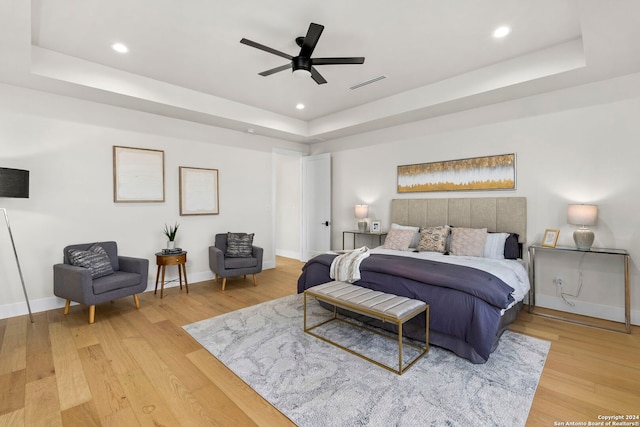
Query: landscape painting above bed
472	299
478	173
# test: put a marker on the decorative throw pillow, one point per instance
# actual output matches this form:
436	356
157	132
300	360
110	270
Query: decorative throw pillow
95	259
239	245
468	241
494	246
433	239
416	231
398	239
512	247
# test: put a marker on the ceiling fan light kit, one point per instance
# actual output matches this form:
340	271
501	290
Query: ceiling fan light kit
303	65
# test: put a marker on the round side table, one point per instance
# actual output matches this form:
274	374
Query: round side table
179	259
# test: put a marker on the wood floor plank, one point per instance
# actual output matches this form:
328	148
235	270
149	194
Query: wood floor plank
164	334
3	327
39	356
256	408
124	417
13	419
106	390
179	399
121	325
84	415
171	342
12	391
589	368
13	352
170	312
149	408
73	389
111	341
42	407
227	412
152	314
82	332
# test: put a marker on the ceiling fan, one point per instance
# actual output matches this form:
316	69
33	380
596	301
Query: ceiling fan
303	64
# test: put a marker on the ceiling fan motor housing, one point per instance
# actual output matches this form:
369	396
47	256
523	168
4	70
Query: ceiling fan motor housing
301	63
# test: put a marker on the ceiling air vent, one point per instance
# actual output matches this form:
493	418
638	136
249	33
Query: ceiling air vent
368	82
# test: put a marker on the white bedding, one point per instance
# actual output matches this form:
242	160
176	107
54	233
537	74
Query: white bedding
510	271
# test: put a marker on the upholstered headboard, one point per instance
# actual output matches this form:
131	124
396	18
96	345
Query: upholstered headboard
497	214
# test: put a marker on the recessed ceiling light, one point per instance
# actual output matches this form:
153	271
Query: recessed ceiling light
300	106
501	32
119	47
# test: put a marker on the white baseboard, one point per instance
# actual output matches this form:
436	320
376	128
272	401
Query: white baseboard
607	312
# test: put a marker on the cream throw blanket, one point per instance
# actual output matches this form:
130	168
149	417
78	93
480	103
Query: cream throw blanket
346	267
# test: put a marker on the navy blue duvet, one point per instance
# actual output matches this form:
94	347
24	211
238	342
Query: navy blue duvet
465	303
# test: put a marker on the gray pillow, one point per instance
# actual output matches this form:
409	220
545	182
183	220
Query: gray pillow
95	259
239	245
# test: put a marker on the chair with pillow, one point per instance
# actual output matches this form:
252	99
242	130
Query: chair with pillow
233	254
93	273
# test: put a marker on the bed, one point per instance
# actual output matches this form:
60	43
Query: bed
472	298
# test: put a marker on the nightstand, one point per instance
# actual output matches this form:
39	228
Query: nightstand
163	260
355	233
593	251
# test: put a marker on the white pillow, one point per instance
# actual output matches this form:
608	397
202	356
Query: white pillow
494	246
416	230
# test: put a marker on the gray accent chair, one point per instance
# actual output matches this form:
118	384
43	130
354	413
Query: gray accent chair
74	283
225	267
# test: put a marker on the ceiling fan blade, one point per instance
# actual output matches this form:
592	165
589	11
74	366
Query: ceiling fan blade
311	39
275	70
265	48
315	75
331	61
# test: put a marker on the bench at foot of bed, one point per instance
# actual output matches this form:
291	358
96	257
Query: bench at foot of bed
378	305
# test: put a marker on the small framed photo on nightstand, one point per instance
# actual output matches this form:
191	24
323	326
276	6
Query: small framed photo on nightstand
550	238
376	226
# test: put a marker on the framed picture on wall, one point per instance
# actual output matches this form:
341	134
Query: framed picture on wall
199	191
376	226
477	173
138	175
550	238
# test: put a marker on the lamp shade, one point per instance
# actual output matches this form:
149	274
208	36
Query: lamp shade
582	214
362	211
14	183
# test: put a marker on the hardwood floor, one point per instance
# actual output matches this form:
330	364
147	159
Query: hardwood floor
138	367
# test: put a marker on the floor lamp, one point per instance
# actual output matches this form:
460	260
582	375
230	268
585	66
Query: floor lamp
14	183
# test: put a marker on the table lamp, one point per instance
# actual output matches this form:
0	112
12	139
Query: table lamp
582	215
14	183
362	211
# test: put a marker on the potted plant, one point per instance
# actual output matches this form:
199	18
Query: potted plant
170	231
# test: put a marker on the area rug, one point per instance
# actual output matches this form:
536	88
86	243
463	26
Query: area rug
314	383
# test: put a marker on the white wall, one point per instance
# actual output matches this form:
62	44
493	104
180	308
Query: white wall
288	207
67	146
571	153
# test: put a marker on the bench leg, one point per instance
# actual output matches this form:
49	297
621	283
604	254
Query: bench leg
400	347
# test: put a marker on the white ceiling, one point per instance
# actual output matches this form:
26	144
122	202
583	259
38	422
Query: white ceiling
185	59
